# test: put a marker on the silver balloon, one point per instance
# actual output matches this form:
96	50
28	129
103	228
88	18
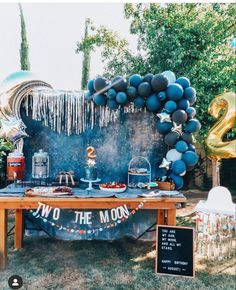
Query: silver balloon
177	128
12	129
170	76
165	164
164	117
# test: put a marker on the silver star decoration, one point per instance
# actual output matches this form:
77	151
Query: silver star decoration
165	164
177	128
164	117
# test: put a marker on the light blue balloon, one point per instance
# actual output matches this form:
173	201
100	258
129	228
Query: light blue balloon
170	76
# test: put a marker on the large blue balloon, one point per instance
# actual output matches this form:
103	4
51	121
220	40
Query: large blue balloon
178	167
174	92
100	85
183	104
171	138
164	127
161	96
153	103
144	89
178	180
88	96
148	78
132	93
191	112
90	86
135	80
121	98
181	146
187	137
159	83
190	158
111	94
112	104
100	99
192	126
139	102
184	82
170	106
119	84
190	94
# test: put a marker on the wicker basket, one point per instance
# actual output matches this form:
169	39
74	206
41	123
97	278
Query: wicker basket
165	185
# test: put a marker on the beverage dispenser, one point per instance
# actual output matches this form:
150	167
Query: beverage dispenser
15	166
40	165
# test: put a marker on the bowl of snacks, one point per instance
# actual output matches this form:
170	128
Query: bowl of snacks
113	187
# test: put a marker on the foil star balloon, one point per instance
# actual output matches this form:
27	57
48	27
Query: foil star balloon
164	117
177	128
12	129
165	164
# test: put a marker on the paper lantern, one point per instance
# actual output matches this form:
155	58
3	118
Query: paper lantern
190	158
132	93
153	103
119	84
183	104
159	83
178	180
184	82
187	137
192	126
190	94
178	167
148	78
179	117
170	106
171	138
88	96
112	104
100	84
163	127
135	80
181	146
139	102
170	76
161	96
90	86
191	112
174	92
121	98
144	89
173	155
100	99
111	94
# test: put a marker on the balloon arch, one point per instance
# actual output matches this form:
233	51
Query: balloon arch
170	99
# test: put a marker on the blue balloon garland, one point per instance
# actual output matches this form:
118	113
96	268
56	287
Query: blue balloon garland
172	99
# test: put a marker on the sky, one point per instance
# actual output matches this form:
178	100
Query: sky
52	32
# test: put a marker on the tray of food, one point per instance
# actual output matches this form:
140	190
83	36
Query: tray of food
52	191
113	187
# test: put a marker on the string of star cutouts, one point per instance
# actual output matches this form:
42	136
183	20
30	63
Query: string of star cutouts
89	231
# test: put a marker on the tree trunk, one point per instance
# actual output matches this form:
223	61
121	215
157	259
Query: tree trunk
215	173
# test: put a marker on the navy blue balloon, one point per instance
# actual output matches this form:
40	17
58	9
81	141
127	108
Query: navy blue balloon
170	106
174	92
88	96
184	82
144	89
100	85
187	137
100	99
159	83
111	94
183	104
192	126
192	148
171	138
178	167
178	180
153	103
179	117
161	96
139	102
90	86
121	98
191	112
181	146
132	93
190	94
190	158
119	84
163	127
148	78
112	104
135	80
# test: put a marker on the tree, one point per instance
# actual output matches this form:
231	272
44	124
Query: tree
24	50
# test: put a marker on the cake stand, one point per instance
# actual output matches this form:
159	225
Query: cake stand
90	182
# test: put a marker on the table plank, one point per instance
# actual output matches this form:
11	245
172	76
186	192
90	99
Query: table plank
19	225
3	238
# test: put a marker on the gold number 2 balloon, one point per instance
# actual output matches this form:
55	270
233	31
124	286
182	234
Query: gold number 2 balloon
216	148
90	152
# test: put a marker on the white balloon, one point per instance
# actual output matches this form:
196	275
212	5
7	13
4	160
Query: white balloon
173	155
170	76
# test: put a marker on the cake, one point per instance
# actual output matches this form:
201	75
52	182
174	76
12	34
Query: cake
90	170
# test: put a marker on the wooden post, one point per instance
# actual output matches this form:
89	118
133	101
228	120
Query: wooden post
3	238
215	172
160	217
18	238
171	217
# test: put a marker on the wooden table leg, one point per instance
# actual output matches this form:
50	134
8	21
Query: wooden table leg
171	217
160	217
3	238
18	238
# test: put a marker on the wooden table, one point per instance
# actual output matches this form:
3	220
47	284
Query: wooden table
166	212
